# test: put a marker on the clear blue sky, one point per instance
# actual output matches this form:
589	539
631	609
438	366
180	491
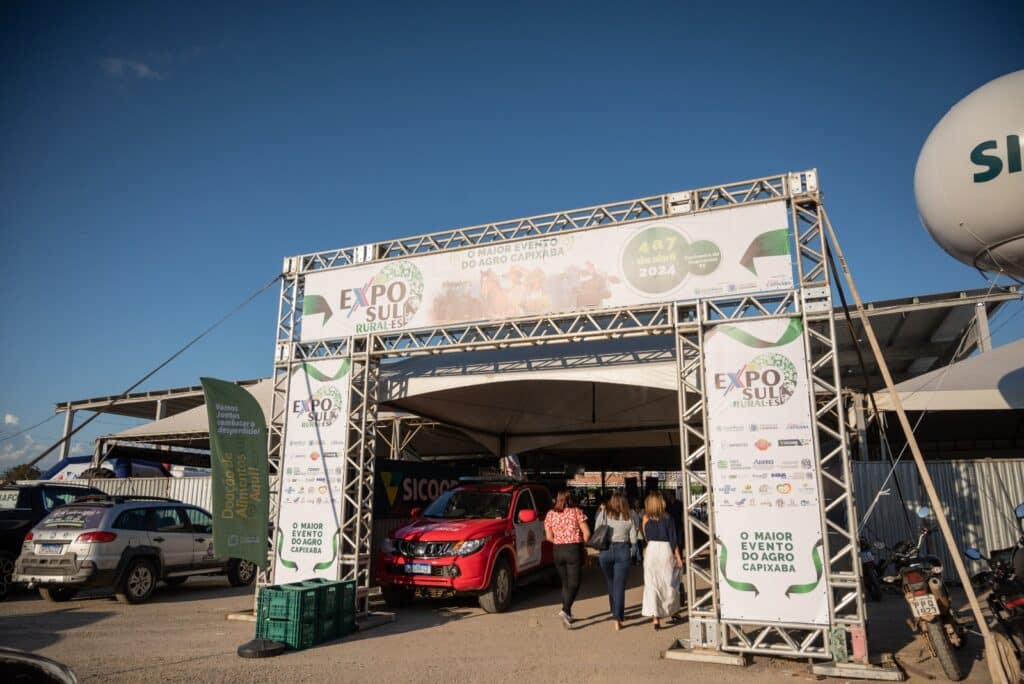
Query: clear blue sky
160	159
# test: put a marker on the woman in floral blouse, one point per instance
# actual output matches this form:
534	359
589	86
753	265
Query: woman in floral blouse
565	526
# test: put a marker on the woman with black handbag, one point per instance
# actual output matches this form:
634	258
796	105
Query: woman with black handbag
614	559
565	526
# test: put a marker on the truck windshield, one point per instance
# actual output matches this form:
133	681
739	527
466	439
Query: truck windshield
468	503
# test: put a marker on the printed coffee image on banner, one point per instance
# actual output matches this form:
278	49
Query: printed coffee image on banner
316	435
730	251
238	470
764	472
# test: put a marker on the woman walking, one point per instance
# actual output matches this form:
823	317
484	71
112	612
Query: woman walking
565	526
615	559
662	562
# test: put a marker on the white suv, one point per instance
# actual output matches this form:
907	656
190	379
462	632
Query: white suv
127	543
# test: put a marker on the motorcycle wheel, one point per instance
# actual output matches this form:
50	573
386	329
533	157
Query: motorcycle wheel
872	584
936	632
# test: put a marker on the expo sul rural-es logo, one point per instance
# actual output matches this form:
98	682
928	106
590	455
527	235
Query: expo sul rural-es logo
768	379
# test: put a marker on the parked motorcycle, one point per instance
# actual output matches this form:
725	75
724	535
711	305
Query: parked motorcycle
869	565
1005	581
920	577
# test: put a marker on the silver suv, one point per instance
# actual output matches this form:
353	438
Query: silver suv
128	543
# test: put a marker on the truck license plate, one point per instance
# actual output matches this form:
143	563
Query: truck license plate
925	605
50	549
417	568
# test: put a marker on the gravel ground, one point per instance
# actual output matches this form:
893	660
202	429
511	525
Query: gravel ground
181	635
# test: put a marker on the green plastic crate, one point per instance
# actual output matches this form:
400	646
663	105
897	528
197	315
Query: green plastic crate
347	603
286	602
328	593
297	634
327	629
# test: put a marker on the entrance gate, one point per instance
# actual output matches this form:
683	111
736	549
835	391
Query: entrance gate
690	319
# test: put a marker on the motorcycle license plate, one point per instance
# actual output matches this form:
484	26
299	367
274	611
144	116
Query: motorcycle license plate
417	568
867	557
925	605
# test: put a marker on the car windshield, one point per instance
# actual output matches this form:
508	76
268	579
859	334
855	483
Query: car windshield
75	517
470	503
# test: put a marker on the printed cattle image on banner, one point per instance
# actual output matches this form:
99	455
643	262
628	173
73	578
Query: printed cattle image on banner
316	435
731	251
764	472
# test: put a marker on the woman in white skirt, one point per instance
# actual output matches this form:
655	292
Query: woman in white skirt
662	562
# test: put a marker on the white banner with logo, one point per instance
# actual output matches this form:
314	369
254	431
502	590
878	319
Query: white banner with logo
764	473
316	436
728	251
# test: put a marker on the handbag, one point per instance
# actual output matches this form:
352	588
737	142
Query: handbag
601	539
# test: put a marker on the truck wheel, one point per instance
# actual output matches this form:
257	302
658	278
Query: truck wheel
138	582
498	595
241	573
396	596
6	570
57	594
945	654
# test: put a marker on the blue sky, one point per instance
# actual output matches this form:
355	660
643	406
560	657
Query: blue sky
160	159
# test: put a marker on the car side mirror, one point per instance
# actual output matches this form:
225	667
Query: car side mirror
415	513
923	512
527	516
1019	511
973	554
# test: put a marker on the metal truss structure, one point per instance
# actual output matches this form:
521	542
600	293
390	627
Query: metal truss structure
688	322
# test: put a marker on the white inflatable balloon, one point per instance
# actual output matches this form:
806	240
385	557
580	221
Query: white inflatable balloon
969	182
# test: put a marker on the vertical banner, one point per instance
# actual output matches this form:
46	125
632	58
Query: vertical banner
765	473
312	471
238	464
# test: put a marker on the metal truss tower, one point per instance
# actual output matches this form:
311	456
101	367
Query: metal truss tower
811	300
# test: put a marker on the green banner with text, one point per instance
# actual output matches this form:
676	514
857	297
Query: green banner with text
238	461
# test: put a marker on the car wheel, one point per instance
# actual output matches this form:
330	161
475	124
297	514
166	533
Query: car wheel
498	595
241	573
57	594
138	582
175	581
396	597
6	570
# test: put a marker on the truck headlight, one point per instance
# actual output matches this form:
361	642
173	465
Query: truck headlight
464	548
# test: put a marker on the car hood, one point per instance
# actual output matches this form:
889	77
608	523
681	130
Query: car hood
457	529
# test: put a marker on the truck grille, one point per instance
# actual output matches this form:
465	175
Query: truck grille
415	549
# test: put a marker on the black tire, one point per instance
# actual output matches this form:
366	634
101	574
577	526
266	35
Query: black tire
6	570
175	581
397	596
940	644
498	595
872	584
138	582
241	573
57	594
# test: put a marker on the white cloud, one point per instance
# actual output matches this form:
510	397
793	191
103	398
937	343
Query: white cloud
10	454
129	68
79	449
10	419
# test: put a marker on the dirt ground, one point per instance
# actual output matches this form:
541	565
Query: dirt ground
181	635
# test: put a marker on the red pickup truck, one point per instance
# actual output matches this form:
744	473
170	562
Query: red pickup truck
478	538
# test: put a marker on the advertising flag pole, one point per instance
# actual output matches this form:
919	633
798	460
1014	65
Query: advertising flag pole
991	651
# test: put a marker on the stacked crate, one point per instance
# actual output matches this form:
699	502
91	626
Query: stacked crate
302	614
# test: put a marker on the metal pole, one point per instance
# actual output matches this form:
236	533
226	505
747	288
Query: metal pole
991	652
69	424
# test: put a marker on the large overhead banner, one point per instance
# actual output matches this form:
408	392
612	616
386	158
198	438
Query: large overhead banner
765	473
727	251
316	436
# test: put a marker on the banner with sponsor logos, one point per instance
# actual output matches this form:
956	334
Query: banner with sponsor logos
316	436
737	250
238	471
764	473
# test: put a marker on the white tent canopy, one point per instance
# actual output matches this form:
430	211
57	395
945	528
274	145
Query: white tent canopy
992	381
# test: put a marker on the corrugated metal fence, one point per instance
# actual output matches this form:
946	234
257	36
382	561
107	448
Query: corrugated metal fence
978	497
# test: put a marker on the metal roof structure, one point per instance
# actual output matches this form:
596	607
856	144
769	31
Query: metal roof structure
917	334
